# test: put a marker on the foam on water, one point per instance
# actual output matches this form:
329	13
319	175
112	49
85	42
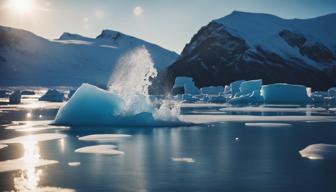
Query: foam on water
103	137
100	149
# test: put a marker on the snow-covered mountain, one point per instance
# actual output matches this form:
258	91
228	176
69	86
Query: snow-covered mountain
27	59
261	46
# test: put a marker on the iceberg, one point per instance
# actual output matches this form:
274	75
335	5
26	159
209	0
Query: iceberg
235	86
250	86
188	84
52	95
15	97
282	93
91	105
247	98
212	90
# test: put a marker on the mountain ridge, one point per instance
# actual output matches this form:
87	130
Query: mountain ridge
247	46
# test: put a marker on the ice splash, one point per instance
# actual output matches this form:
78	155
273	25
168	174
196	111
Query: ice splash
133	73
126	102
131	79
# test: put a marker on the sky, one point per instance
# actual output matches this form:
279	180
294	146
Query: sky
168	23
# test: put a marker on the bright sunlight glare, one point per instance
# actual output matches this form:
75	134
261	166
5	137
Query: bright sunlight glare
21	6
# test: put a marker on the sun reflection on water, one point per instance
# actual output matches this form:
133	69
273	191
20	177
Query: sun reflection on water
30	176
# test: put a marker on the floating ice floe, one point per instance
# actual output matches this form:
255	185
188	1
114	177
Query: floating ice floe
103	137
74	164
33	126
253	118
183	159
34	138
3	146
18	164
272	109
100	149
319	151
268	124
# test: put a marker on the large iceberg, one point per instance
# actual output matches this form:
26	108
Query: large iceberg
91	105
282	93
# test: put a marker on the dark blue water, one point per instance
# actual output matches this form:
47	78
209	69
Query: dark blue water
263	159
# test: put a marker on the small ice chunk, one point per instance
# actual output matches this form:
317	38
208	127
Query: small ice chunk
183	159
3	146
103	137
319	151
74	164
18	164
267	124
34	137
100	149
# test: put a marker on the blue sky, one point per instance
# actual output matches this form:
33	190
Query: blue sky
169	23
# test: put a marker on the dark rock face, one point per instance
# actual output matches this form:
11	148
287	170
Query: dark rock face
216	57
314	50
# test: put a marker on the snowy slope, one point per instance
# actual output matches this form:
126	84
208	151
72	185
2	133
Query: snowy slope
27	59
261	46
